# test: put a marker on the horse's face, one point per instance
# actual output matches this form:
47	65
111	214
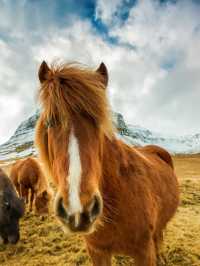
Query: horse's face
72	154
78	201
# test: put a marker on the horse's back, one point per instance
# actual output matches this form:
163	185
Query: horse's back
159	152
30	171
25	171
14	171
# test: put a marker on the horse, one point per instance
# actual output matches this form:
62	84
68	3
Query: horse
27	175
120	198
11	210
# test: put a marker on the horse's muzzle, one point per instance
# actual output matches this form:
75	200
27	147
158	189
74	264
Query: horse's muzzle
79	222
12	239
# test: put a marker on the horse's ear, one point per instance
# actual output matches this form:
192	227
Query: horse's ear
102	69
43	70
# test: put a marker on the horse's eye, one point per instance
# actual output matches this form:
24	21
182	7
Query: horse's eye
62	81
49	123
7	205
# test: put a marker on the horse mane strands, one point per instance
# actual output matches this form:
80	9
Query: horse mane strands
71	89
51	98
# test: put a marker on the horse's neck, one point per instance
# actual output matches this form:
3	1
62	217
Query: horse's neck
41	183
116	162
116	155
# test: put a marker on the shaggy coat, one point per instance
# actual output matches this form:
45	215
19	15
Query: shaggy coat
11	210
135	189
27	176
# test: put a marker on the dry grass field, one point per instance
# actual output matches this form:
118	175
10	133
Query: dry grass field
43	243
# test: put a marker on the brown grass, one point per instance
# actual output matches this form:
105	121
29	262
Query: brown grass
43	243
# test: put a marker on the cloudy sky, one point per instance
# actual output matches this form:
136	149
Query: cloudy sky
151	49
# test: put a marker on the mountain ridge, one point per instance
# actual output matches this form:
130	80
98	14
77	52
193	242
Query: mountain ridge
21	143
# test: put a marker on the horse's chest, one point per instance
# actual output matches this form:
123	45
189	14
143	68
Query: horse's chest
117	239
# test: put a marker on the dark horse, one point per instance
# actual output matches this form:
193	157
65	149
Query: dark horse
120	197
11	210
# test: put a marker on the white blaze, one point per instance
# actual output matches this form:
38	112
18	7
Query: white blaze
74	177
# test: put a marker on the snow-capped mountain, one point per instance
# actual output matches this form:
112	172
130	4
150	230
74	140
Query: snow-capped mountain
139	136
21	143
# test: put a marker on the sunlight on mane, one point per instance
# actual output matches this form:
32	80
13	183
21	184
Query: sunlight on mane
71	89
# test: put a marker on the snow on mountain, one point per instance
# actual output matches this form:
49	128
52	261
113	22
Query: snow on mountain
139	136
21	143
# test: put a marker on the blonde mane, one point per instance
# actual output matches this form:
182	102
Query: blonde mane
69	90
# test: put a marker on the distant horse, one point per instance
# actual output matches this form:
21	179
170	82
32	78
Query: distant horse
27	176
11	210
118	196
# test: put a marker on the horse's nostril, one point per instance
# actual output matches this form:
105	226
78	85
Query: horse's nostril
61	212
95	208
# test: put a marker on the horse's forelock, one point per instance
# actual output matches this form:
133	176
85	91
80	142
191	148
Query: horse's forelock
71	89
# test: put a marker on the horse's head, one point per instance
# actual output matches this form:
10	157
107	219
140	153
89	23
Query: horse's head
11	210
70	134
42	201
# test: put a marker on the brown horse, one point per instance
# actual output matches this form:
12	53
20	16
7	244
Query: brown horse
118	196
27	176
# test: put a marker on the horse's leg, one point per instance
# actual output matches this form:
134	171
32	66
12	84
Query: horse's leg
31	200
23	192
158	241
100	258
147	256
18	189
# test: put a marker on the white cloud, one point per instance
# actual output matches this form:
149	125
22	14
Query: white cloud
163	35
160	99
10	114
107	10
